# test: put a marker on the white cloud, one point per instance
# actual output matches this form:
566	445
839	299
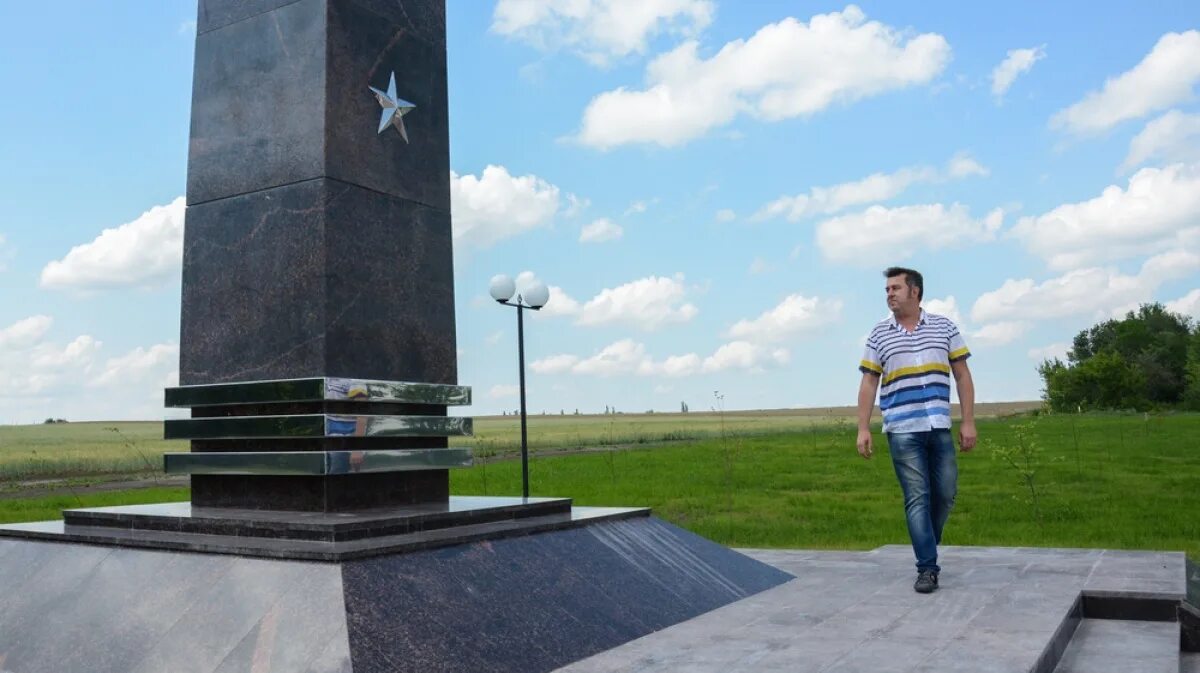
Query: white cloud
760	266
793	316
637	207
143	253
1163	78
555	364
725	215
496	205
1188	304
1173	137
77	354
494	338
25	332
786	69
31	365
499	392
1054	350
601	230
157	363
648	304
874	188
598	30
962	165
1000	333
619	358
1017	62
892	234
1094	292
1159	209
745	356
947	307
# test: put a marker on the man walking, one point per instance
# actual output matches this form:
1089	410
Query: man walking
912	354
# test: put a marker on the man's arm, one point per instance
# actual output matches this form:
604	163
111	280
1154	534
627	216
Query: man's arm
866	404
966	400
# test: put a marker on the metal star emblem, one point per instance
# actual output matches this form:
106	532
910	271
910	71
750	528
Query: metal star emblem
394	108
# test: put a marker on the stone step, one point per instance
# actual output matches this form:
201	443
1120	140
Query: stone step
1189	662
1120	646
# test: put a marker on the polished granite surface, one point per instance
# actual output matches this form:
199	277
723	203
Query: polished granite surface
316	536
523	604
531	601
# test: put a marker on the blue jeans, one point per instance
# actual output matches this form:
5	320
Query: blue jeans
928	474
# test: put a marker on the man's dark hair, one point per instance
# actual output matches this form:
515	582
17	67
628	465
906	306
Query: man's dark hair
912	278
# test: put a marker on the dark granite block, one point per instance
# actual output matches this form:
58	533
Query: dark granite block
368	41
253	277
258	107
539	602
389	289
1189	627
313	279
213	14
320	494
283	96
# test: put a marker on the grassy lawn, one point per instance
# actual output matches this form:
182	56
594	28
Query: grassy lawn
1101	481
1118	481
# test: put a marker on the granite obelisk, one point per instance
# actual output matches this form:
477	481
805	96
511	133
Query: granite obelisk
317	249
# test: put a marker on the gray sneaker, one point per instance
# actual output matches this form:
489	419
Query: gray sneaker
926	582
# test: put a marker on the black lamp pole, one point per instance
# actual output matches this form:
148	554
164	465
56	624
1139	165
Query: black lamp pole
520	306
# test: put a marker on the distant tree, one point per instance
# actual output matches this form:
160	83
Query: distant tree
1139	362
1191	394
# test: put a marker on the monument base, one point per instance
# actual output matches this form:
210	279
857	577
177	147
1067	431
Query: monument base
528	596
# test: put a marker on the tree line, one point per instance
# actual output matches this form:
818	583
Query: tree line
1148	360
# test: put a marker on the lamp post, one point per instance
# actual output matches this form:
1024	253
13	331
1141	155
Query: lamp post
535	297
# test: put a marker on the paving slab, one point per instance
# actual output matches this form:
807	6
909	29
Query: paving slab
1120	646
997	609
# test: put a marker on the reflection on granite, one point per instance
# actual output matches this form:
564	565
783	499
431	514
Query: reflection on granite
361	393
315	462
316	425
72	608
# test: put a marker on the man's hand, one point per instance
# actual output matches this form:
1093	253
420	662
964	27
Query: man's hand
864	444
966	436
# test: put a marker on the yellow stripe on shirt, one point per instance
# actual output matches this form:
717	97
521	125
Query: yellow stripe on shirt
962	352
872	366
919	369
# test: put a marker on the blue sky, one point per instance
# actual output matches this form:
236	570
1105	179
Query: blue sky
710	189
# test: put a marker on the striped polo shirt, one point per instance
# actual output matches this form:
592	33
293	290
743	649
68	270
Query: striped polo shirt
914	391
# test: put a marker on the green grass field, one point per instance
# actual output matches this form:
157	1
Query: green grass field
1101	481
1118	481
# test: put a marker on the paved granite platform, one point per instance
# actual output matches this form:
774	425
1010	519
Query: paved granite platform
998	609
